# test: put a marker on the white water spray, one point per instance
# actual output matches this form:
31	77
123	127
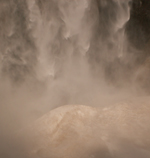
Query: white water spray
61	52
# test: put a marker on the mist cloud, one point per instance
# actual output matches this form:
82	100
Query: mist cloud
62	52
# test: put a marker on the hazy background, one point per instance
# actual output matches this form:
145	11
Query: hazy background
57	52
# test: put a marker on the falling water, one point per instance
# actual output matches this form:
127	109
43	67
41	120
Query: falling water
57	52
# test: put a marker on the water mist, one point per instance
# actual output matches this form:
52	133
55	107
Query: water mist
70	52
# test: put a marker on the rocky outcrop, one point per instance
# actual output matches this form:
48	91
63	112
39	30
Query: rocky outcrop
78	131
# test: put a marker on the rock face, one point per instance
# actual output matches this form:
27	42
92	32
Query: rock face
79	131
68	132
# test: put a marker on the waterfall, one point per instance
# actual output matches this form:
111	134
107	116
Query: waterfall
57	52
